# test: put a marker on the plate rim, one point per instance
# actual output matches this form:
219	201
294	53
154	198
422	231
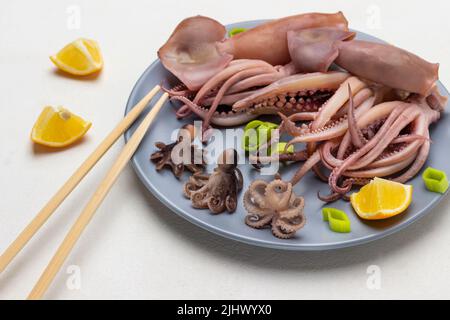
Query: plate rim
262	243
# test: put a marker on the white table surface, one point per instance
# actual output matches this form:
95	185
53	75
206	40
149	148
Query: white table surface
135	247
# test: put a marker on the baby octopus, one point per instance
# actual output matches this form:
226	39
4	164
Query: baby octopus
274	204
217	192
164	157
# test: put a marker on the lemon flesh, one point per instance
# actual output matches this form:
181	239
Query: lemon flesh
58	128
382	199
80	57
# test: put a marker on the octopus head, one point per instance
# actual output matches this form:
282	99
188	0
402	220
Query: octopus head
228	160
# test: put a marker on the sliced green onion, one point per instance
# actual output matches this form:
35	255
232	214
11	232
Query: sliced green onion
257	133
337	219
264	133
435	180
250	141
236	31
270	125
280	148
253	125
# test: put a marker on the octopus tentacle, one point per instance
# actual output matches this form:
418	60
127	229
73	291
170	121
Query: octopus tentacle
279	207
278	231
219	191
239	179
230	204
199	198
163	157
194	185
298	204
288	226
216	204
257	193
258	221
255	206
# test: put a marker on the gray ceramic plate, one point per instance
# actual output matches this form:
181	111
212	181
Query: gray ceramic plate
316	235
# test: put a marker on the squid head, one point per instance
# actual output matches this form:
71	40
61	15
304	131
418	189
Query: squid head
191	53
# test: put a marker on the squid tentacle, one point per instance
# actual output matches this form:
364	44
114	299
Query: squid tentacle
358	138
385	130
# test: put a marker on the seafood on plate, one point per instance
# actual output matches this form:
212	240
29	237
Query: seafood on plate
179	155
198	49
218	191
389	139
276	205
355	110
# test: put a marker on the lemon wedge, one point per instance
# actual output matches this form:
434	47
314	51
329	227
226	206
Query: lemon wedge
80	57
58	128
381	199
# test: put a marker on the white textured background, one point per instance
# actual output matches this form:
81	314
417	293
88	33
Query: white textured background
135	247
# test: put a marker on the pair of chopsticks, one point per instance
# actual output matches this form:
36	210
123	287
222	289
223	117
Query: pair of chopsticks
89	210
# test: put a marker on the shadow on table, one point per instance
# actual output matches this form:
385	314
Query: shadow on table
91	77
290	260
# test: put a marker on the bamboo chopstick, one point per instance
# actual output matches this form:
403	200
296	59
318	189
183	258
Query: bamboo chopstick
89	210
73	181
